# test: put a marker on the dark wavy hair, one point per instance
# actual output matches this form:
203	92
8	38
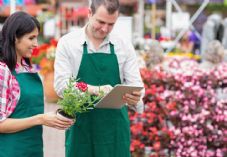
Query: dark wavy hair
110	5
15	26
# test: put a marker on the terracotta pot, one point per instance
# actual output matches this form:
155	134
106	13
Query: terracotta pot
48	83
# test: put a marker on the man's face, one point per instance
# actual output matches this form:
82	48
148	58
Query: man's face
101	22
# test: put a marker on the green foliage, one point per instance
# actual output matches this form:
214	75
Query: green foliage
77	101
37	60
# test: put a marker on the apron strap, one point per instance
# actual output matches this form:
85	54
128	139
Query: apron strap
85	48
85	51
112	51
14	72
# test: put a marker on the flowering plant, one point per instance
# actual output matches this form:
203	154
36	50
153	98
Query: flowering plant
44	55
185	115
149	131
77	99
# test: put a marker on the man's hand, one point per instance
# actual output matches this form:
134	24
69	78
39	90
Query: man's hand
96	89
106	89
133	98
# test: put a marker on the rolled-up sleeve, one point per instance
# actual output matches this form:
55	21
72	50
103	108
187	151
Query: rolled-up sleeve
131	73
63	68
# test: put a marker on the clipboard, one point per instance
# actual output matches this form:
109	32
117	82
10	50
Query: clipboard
114	100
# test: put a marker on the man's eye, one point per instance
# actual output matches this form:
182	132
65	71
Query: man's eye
101	22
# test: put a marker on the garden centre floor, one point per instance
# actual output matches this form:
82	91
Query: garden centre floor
53	139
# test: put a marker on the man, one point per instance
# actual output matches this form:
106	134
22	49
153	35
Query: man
94	56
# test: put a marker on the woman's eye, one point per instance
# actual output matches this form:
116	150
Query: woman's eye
32	38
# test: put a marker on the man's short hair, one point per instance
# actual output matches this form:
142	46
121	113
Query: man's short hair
111	5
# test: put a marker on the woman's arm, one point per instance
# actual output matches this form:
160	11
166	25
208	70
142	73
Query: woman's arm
50	119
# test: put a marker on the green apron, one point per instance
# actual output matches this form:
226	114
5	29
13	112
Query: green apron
99	132
26	143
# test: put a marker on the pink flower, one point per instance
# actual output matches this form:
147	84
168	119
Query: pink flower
81	86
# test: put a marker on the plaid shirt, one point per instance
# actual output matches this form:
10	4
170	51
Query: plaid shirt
9	90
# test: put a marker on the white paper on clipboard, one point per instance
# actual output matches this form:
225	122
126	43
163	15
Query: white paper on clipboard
114	100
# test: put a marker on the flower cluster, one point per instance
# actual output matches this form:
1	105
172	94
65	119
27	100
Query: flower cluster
77	99
185	55
185	112
44	55
150	133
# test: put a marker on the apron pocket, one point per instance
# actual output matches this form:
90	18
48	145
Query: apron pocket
103	131
109	126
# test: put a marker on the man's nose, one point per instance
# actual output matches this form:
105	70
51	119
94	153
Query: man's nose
105	28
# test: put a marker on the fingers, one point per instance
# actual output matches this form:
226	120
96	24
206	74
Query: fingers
64	119
106	88
52	120
132	99
61	125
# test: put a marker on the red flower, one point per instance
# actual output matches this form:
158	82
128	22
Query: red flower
35	52
157	146
171	106
53	42
81	86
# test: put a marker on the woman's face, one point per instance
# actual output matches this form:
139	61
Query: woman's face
25	45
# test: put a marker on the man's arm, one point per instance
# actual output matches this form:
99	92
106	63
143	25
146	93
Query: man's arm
131	76
62	67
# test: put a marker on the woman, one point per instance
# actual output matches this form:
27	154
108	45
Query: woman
21	92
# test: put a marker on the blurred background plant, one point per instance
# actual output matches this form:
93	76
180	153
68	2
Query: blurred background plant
43	57
185	112
43	60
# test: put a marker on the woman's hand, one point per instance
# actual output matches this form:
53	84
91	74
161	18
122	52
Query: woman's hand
50	119
11	125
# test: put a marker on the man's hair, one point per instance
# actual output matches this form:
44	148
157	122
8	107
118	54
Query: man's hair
110	5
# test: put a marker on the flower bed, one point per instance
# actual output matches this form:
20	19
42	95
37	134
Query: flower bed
184	116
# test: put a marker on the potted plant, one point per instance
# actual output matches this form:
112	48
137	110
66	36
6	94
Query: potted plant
76	99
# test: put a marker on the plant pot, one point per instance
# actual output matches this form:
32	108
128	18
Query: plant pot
62	114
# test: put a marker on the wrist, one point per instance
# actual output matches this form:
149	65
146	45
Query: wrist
39	120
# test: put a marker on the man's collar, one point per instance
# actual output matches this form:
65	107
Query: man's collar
84	37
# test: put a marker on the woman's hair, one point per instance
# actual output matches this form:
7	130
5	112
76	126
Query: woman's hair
15	27
110	5
214	52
